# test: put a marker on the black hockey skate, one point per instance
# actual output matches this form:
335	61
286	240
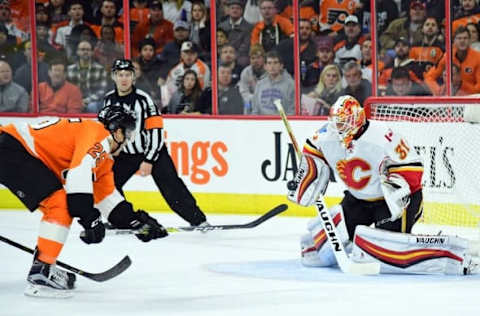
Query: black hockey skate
46	280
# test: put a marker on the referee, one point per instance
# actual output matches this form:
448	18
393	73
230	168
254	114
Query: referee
147	153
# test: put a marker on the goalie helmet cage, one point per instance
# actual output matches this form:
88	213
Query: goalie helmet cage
446	133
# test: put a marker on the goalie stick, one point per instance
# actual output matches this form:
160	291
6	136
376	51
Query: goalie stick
99	277
273	212
344	262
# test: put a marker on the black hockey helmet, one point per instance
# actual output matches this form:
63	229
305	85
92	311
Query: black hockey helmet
123	64
114	117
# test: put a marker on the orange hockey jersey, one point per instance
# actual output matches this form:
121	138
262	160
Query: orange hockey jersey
333	13
78	153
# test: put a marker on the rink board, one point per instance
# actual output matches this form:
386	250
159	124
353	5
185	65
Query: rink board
245	167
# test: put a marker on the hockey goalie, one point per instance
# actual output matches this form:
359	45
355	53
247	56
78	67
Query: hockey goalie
383	198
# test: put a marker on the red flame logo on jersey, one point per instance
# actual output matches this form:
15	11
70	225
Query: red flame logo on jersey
346	169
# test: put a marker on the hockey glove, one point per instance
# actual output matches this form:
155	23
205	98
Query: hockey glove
396	192
148	227
94	229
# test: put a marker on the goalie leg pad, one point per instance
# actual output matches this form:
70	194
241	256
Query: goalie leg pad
310	181
315	249
400	253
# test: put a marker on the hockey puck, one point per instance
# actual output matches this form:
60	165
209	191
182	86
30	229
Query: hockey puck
291	185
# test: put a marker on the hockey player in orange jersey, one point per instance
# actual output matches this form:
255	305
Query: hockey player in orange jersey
64	168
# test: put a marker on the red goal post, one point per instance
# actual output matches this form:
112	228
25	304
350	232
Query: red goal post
446	133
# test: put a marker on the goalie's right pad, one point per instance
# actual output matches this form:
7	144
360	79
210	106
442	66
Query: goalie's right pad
310	181
413	254
316	251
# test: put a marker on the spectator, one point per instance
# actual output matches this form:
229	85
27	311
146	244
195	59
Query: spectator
465	57
57	95
222	39
408	27
13	97
467	8
273	29
174	10
428	52
62	34
348	49
402	85
45	49
89	76
306	11
81	32
108	16
357	87
333	13
325	55
58	11
467	12
278	84
222	11
473	28
187	99
238	31
366	62
106	48
387	11
228	57
6	19
251	75
308	51
146	85
156	27
150	65
200	29
9	49
170	55
19	12
189	60
229	99
329	88
456	83
138	13
402	59
23	75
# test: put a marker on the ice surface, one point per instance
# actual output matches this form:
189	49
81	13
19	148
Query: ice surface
241	272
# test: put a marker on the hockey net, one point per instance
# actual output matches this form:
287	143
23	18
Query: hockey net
446	133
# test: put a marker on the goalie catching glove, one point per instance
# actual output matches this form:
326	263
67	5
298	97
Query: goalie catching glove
310	181
148	228
396	192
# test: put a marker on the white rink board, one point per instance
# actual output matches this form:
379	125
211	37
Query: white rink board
226	156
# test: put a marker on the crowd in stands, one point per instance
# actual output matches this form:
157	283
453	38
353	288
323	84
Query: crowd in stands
77	40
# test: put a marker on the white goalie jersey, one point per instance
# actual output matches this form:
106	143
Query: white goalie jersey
378	151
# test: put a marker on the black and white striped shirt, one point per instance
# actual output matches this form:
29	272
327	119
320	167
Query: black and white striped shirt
148	133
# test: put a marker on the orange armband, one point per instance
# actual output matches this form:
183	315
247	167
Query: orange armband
154	122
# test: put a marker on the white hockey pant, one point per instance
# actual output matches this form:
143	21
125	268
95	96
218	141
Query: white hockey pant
315	248
411	254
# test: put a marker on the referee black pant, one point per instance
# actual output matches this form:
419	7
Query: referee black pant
172	187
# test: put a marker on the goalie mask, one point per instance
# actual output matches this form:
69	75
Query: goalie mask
346	117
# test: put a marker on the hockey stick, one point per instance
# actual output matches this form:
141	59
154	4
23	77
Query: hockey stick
273	212
99	277
344	262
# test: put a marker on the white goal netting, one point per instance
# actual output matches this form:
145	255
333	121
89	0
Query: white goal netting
447	136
